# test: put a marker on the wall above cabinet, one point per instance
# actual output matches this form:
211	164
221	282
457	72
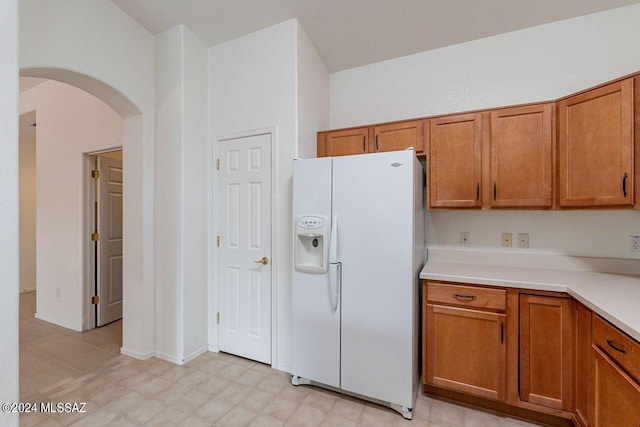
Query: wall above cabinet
582	151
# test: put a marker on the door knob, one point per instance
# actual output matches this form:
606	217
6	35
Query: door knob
264	261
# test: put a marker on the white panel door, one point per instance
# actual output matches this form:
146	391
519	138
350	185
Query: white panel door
109	265
244	254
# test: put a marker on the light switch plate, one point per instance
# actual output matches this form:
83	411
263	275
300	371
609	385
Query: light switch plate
507	240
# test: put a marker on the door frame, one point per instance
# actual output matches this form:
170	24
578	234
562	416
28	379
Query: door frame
213	220
88	197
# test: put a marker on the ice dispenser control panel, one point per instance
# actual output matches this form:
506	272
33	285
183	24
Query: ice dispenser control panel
311	222
312	244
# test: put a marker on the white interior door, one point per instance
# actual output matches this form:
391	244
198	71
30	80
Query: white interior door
109	246
245	247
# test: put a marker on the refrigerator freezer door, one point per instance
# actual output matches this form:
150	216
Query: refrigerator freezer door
373	197
315	322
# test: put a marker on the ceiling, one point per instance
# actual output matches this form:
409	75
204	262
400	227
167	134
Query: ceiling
351	33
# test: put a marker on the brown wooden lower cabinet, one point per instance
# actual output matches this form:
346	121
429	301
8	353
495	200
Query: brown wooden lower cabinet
535	354
617	395
546	351
466	350
583	373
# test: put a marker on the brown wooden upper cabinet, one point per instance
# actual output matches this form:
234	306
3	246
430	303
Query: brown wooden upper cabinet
455	161
596	147
398	136
521	150
373	139
343	142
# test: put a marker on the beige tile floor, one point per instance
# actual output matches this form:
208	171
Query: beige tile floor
216	389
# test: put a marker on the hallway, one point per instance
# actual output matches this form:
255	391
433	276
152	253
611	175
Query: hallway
51	355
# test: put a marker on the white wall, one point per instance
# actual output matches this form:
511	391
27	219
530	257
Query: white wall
96	46
168	157
313	96
27	166
195	191
9	207
71	123
535	64
260	81
181	196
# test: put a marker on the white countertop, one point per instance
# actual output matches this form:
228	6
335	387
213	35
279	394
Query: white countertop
612	290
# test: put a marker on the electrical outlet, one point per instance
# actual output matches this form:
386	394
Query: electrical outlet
523	240
465	239
507	240
634	243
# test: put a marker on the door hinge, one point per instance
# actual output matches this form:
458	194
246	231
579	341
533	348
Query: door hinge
218	241
95	299
218	318
95	237
95	174
218	164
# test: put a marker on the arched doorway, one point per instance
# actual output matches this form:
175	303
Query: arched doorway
137	284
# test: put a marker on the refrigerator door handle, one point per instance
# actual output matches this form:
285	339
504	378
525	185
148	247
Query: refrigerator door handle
333	261
333	241
338	287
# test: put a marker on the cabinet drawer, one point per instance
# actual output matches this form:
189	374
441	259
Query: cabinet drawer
467	296
622	349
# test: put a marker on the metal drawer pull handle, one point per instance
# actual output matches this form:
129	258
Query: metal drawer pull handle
624	184
464	297
612	345
364	143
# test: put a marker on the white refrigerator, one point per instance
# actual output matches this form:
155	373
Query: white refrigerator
358	250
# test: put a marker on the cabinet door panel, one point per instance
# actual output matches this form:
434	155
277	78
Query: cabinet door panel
346	142
399	136
546	351
595	141
521	156
455	147
583	365
617	396
466	351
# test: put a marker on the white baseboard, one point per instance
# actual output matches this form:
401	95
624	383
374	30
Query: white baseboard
194	355
177	359
135	354
168	357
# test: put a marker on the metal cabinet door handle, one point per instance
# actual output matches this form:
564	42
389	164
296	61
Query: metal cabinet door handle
616	348
464	297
